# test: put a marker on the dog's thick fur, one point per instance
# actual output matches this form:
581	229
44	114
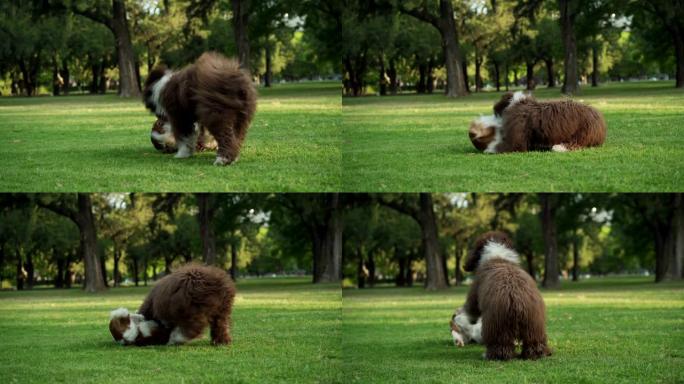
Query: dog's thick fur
507	300
182	305
214	93
531	125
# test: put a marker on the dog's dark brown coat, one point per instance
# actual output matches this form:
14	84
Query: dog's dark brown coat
539	125
192	298
508	301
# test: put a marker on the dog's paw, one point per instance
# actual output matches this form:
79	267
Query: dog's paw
183	153
559	148
221	160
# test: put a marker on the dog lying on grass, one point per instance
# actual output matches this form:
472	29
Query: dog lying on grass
520	123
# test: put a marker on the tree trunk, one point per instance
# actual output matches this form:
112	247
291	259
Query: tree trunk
205	205
409	271
66	78
360	270
677	33
464	66
575	258
529	256
422	69
136	272
167	264
594	64
355	69
95	83
497	76
117	273
382	82
506	76
458	273
30	271
55	77
677	262
20	272
478	75
550	242
128	82
549	73
446	25
392	73
456	85
233	261
430	78
145	272
568	13
370	266
529	66
269	70
433	257
94	280
328	263
240	25
59	277
104	269
68	275
102	86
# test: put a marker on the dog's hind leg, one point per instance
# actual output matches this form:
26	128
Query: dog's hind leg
220	331
500	341
221	127
534	340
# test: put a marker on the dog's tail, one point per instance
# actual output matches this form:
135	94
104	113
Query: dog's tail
222	85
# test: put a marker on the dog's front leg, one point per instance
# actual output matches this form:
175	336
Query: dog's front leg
187	145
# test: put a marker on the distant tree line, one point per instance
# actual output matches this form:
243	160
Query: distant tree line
404	239
102	240
420	45
107	44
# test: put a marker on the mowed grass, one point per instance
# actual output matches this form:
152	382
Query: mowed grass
285	330
102	143
420	143
616	331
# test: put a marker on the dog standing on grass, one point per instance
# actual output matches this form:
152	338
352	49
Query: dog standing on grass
213	93
178	309
506	299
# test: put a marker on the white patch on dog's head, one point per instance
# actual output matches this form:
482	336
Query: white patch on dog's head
490	121
131	333
493	251
119	312
157	89
518	96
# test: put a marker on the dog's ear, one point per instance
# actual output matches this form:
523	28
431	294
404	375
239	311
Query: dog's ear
504	102
156	74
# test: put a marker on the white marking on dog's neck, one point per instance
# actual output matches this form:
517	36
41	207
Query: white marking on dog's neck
493	251
157	89
518	96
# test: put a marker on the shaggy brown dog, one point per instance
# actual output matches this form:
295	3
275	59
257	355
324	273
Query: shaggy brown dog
213	92
179	308
530	125
507	300
163	140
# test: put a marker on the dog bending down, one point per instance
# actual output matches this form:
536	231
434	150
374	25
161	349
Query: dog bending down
178	309
521	123
507	300
214	93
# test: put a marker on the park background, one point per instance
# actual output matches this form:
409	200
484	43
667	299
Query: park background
336	287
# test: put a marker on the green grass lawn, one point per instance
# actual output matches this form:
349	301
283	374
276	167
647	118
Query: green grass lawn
284	330
102	143
602	331
420	143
